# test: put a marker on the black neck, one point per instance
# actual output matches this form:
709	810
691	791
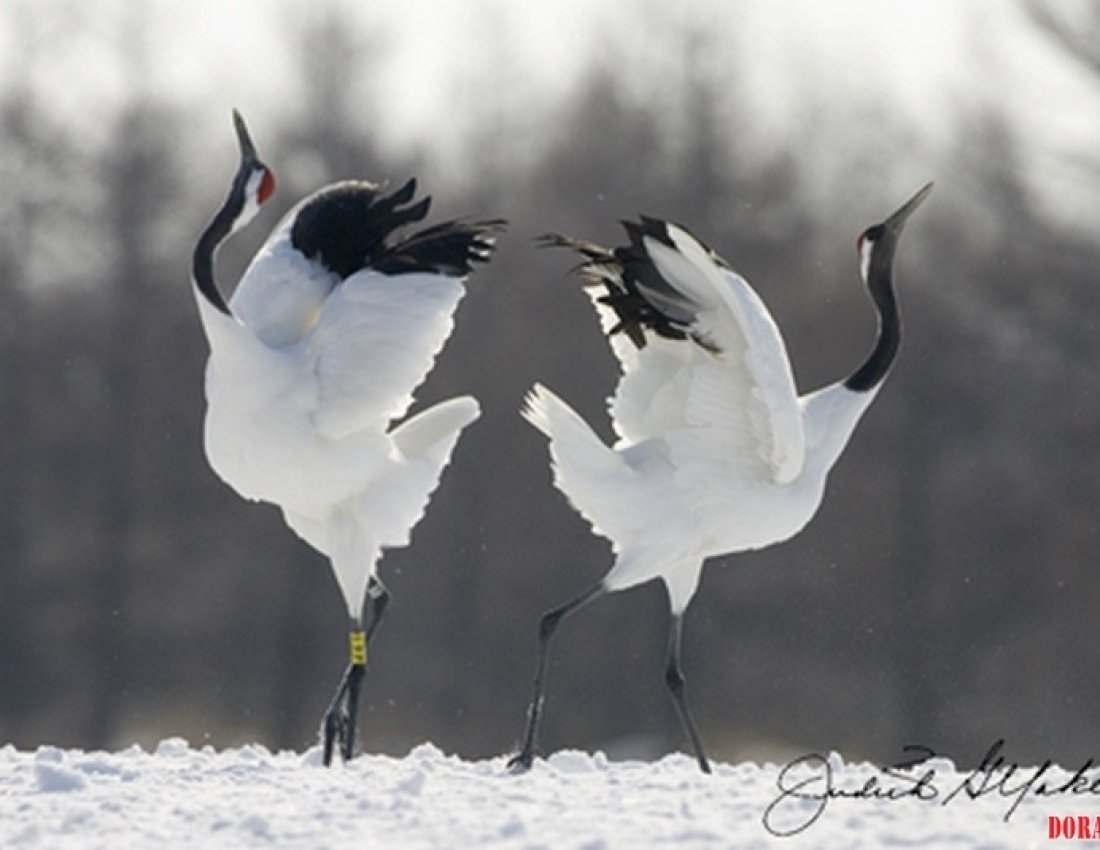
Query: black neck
202	262
880	283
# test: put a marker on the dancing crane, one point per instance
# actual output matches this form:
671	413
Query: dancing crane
716	453
334	324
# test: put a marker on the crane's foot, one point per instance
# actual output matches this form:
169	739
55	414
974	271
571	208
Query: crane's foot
338	727
336	732
520	763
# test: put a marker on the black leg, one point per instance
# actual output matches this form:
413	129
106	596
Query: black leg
674	679
378	598
339	723
547	626
341	718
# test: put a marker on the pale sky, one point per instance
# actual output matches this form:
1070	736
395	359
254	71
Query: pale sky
811	70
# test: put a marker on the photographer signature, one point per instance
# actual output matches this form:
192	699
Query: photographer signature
810	778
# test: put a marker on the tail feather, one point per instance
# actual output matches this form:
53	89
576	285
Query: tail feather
573	443
431	434
424	444
593	476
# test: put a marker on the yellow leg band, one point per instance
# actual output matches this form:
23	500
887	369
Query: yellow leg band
357	644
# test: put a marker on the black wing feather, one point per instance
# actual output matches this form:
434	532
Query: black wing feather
352	225
640	296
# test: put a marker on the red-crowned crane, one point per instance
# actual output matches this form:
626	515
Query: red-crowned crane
334	324
716	451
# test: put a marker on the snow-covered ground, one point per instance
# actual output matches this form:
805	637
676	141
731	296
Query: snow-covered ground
178	796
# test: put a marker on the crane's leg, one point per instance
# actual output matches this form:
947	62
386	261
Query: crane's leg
378	598
547	627
674	680
342	713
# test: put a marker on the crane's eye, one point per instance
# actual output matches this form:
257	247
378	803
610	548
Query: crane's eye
868	237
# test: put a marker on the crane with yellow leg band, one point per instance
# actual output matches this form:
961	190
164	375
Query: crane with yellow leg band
313	364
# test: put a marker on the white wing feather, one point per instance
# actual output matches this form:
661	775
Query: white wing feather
738	406
374	343
621	346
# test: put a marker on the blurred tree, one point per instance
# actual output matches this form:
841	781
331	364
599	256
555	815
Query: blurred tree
1075	25
20	214
139	176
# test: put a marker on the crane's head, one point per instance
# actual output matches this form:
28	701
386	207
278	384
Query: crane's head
252	185
254	182
876	244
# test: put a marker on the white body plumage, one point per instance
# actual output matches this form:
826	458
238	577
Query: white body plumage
302	384
715	453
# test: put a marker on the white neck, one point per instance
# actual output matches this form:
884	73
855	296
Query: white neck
223	332
831	415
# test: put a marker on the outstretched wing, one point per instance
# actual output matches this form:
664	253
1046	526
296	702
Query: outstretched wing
374	343
742	391
710	374
380	330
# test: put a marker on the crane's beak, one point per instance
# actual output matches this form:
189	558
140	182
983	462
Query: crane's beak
897	221
248	150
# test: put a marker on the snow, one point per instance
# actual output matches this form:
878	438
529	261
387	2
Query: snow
181	797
